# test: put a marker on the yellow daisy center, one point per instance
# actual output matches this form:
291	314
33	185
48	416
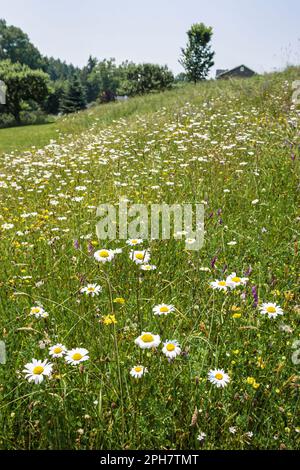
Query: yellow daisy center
57	350
35	310
236	279
222	283
147	338
271	309
134	242
38	370
138	369
219	376
139	256
164	309
104	253
77	357
91	289
170	347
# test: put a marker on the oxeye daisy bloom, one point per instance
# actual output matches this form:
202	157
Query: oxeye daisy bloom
76	356
271	309
232	429
58	350
134	241
148	267
163	309
201	437
91	290
7	226
219	285
190	241
233	281
218	377
171	349
147	340
103	255
140	257
138	371
36	370
38	312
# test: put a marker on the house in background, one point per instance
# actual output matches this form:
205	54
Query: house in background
238	72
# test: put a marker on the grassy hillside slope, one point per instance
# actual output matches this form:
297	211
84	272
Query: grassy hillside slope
232	146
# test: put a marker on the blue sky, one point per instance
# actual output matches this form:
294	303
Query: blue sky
263	34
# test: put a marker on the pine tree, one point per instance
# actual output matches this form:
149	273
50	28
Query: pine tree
74	98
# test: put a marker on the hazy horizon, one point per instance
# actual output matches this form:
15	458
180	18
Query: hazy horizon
264	36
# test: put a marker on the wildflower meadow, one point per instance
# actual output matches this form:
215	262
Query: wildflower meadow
142	343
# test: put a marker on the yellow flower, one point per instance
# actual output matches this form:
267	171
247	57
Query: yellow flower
234	308
288	295
252	381
236	315
109	320
119	300
275	292
260	363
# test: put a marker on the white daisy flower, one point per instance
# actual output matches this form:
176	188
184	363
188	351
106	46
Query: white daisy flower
134	241
36	370
91	289
138	371
163	309
171	349
76	356
38	312
201	437
104	255
147	340
190	241
233	281
219	285
117	251
7	226
218	377
271	309
140	257
148	267
58	350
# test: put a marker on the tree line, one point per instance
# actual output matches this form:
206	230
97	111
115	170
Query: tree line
38	85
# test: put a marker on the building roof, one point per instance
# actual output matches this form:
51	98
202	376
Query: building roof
222	73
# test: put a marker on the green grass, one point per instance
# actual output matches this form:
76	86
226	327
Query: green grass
25	138
225	144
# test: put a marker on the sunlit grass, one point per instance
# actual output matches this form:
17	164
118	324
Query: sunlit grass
233	147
